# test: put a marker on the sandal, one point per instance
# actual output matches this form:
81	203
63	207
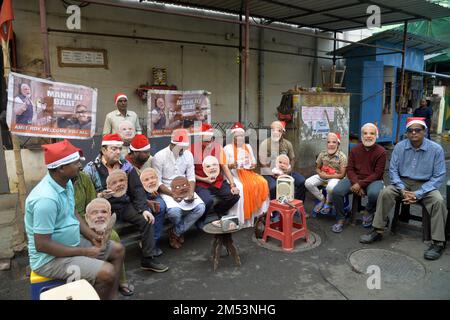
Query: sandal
337	228
318	207
326	209
367	220
217	223
126	289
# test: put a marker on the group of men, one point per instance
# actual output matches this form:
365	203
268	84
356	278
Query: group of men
60	238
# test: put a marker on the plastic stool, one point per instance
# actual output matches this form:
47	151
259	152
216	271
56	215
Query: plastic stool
286	230
40	284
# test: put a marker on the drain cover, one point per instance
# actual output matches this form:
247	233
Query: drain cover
394	267
299	245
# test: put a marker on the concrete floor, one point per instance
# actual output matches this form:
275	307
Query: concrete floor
320	273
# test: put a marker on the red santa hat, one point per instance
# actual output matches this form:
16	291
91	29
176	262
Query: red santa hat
140	143
237	127
412	120
337	135
61	153
112	139
207	130
119	96
369	124
180	137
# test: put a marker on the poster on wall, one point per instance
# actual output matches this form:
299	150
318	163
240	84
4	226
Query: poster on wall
43	108
318	121
169	110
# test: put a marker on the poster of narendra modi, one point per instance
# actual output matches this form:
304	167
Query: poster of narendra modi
169	110
43	108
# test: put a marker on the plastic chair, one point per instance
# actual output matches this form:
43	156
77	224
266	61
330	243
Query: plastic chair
40	284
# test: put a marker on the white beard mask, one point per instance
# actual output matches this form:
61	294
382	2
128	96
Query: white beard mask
117	181
149	180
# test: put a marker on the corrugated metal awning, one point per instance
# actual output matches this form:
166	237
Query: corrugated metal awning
395	37
328	15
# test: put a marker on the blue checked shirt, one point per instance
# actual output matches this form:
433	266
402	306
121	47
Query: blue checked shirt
424	164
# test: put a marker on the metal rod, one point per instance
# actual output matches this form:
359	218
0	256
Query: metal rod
402	81
44	34
334	50
261	76
368	55
246	59
50	30
240	63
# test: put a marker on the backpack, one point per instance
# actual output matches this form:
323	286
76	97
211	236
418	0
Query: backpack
286	108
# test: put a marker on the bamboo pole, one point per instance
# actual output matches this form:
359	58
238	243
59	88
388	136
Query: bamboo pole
19	240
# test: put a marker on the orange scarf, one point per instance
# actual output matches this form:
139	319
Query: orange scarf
255	186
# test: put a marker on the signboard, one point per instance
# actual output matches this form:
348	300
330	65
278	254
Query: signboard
43	108
170	109
77	57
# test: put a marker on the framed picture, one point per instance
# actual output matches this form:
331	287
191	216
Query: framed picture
159	76
82	58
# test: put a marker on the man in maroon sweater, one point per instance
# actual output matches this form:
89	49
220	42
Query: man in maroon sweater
365	171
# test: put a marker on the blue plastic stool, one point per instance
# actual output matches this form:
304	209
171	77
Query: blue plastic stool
347	206
40	284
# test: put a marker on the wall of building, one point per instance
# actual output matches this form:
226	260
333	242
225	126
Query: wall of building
189	66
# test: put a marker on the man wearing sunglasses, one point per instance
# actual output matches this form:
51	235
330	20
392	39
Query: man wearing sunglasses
417	170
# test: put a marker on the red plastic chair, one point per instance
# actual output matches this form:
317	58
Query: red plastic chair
286	230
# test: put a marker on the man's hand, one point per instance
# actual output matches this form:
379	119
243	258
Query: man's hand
106	194
356	188
409	197
148	216
92	252
190	198
95	238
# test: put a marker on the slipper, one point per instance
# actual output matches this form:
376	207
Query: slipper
337	228
367	220
326	209
319	207
126	290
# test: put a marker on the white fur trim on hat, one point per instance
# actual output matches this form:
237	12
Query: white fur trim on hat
146	148
237	129
66	160
421	122
120	97
112	143
181	144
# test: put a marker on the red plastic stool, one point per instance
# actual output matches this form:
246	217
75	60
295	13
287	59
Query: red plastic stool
286	229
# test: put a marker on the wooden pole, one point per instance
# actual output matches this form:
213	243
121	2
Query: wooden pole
19	240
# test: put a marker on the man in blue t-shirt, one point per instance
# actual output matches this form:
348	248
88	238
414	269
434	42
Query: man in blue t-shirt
60	243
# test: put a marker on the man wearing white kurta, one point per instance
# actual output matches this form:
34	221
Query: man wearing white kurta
173	161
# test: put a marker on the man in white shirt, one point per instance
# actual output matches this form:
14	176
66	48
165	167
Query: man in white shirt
174	161
114	118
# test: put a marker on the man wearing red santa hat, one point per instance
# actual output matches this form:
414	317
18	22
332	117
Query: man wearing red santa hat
131	206
139	153
173	162
58	237
114	118
417	170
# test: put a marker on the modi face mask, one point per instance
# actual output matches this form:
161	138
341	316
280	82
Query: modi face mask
180	188
127	131
283	163
117	182
98	214
149	180
211	167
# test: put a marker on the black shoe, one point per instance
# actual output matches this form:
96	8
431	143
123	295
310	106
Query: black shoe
153	265
371	237
434	252
156	252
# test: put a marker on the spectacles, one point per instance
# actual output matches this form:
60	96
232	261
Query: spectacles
82	111
414	130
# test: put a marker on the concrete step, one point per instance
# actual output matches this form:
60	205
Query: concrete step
8	201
